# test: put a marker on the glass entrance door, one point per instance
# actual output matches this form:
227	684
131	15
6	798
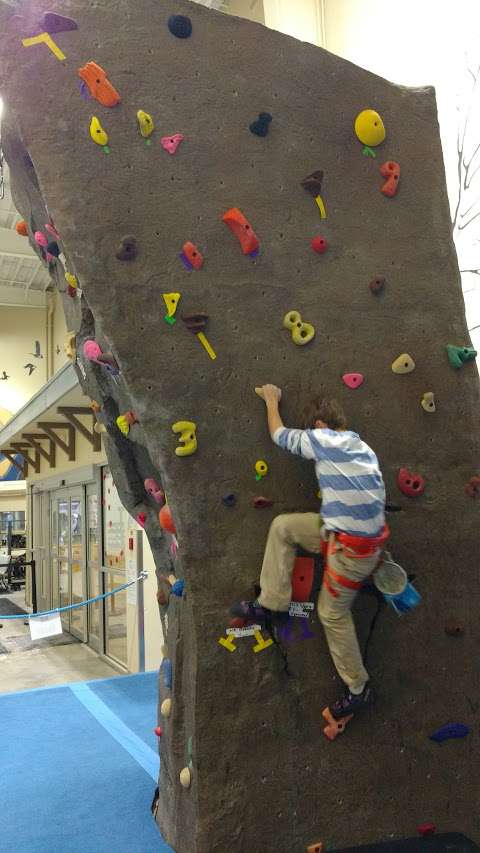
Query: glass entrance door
94	616
78	617
68	557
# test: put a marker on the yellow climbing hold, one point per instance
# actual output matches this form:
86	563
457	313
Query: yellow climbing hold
97	132
403	364
428	401
171	301
166	707
145	123
71	279
187	437
45	38
123	424
69	345
185	777
261	469
261	643
369	128
302	333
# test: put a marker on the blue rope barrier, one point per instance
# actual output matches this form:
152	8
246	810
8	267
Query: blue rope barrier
104	595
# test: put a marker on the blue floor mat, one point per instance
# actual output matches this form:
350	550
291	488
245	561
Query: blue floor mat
74	787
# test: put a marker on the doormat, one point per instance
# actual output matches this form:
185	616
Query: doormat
9	608
23	643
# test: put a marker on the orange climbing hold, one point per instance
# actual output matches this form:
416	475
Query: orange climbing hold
391	171
166	520
99	85
242	229
21	228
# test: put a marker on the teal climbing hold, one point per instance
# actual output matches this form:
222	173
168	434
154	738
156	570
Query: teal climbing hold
460	355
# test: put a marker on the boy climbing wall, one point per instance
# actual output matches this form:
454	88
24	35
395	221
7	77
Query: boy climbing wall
350	533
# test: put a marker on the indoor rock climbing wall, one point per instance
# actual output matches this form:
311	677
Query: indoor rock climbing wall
203	197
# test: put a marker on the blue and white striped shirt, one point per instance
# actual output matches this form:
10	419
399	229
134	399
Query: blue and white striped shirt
353	492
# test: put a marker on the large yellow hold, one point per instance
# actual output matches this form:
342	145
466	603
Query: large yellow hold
369	128
187	437
97	132
145	123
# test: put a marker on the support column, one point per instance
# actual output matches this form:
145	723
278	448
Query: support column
304	19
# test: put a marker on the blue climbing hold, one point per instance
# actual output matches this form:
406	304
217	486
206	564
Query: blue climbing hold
167	670
180	26
261	125
229	500
451	730
178	587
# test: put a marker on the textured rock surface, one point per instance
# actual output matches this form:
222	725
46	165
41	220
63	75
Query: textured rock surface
264	776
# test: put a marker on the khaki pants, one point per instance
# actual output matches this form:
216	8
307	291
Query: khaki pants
306	529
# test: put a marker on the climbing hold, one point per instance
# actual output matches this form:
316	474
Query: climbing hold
377	284
92	351
180	26
410	484
178	588
261	469
353	380
145	124
53	249
460	355
370	130
167	670
243	231
188	437
229	500
166	520
99	86
185	777
316	848
403	364
154	490
197	323
72	284
191	257
428	401
166	707
52	230
261	643
98	134
451	730
473	487
171	143
162	597
313	185
391	171
158	731
302	333
319	245
69	345
21	228
171	301
44	38
261	125
127	249
125	421
141	518
40	239
454	628
95	407
98	427
426	829
302	578
259	502
52	22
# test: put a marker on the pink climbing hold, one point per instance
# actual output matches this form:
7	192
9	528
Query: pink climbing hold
141	519
171	143
154	490
52	230
40	239
92	351
353	380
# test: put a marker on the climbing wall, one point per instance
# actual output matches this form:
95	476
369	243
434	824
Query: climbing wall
226	221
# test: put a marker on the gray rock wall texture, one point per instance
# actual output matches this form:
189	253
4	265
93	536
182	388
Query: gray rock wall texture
264	777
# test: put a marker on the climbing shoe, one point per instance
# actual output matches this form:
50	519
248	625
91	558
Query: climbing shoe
351	703
252	611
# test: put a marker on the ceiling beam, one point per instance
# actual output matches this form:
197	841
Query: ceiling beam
71	412
34	439
34	461
68	446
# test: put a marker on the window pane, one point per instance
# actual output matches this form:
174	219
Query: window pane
116	618
115	520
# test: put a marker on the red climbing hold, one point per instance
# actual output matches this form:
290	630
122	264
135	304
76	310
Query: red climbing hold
353	380
473	487
21	228
166	520
391	171
141	519
426	829
99	85
302	578
319	245
410	484
158	731
242	229
191	256
260	502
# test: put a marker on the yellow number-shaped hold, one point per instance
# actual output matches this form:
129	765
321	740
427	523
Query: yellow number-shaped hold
302	333
97	132
187	437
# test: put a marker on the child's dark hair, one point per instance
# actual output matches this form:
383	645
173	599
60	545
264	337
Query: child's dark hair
328	411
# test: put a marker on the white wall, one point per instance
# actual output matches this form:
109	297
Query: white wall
59	332
19	329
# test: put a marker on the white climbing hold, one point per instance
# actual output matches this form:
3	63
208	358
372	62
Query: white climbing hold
403	364
166	708
185	777
428	402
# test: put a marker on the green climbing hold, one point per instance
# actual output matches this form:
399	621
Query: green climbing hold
460	355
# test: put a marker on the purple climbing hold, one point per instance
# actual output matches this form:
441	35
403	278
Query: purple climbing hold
54	23
84	91
451	730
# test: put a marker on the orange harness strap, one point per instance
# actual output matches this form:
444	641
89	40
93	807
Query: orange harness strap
354	545
343	581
